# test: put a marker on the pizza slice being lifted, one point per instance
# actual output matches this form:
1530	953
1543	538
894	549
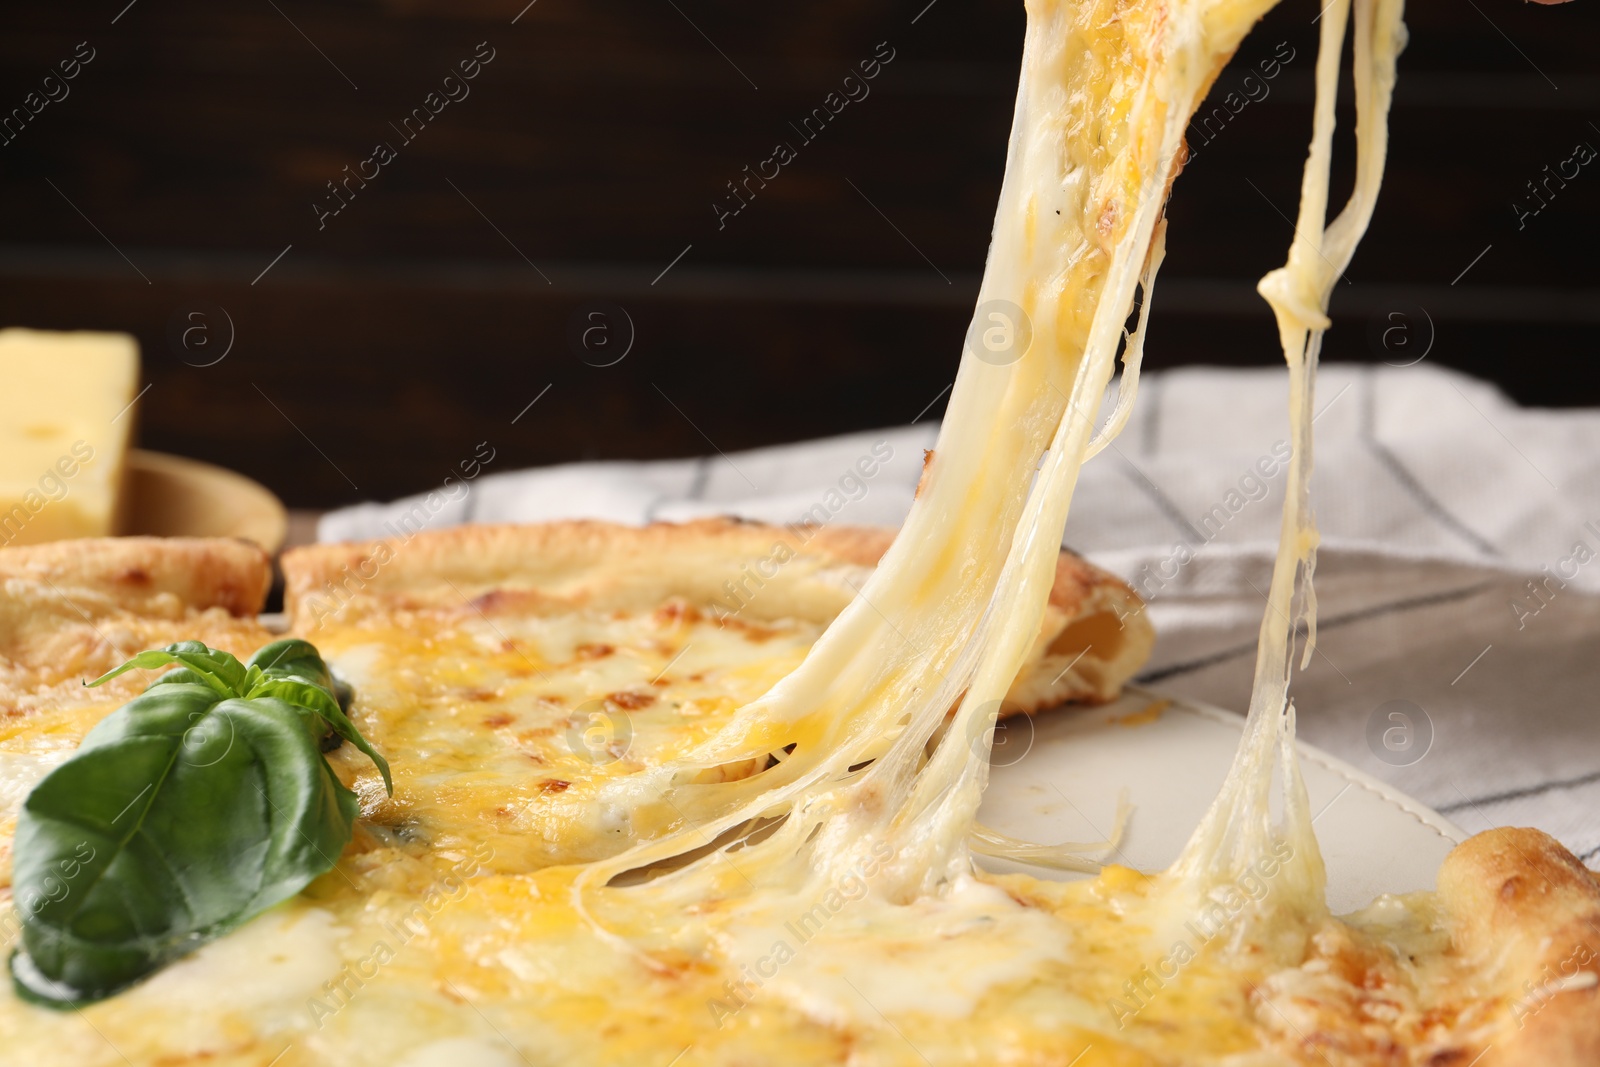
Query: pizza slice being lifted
554	659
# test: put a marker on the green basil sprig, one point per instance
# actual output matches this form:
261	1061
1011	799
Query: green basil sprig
192	808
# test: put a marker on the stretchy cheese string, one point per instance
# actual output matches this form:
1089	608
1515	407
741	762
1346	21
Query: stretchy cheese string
1238	829
953	608
907	647
1064	856
1133	357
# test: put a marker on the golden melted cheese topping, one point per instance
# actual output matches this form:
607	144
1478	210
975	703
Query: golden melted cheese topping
402	958
511	721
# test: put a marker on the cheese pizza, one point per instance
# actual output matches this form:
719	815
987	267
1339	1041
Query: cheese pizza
449	933
628	829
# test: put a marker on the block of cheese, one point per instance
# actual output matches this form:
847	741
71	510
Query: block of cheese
65	427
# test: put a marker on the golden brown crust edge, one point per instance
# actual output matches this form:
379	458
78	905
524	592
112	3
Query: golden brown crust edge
138	573
1527	912
1095	635
71	610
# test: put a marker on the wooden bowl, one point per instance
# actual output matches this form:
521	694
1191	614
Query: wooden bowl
171	496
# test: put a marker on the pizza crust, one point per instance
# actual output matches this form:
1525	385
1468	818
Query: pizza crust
1094	637
1527	913
72	610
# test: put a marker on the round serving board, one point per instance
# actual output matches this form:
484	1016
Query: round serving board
1057	778
174	496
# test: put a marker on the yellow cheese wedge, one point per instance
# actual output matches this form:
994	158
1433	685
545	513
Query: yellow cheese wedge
65	425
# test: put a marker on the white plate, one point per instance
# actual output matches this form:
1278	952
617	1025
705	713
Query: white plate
1061	784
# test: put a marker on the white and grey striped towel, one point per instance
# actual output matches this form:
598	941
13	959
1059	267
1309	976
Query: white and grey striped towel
1459	579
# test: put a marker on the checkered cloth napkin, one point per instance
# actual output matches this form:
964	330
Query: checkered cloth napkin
1459	579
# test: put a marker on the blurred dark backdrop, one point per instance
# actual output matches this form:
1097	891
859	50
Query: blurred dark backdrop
171	188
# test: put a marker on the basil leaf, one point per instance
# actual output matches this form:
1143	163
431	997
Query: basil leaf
184	813
295	658
219	670
293	670
325	705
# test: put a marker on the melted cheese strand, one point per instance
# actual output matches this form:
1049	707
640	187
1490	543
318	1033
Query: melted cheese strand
951	611
972	567
1238	829
1064	856
1133	355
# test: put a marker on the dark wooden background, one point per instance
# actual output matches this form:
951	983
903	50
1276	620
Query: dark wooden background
375	353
